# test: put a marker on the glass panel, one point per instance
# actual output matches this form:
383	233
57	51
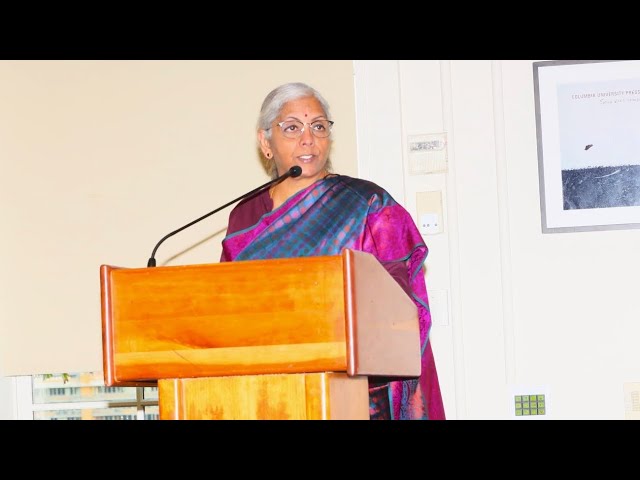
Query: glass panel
151	393
126	413
91	399
80	387
152	413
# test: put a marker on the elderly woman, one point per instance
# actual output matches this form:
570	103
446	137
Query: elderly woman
321	213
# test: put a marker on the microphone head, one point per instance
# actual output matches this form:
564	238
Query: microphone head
295	171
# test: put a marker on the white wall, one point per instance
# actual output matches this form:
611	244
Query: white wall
7	398
553	312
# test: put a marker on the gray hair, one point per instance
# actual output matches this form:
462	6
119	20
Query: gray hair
273	104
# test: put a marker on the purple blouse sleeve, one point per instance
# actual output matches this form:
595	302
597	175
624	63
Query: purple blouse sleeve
398	270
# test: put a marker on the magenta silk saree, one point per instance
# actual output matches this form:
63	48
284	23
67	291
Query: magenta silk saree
340	212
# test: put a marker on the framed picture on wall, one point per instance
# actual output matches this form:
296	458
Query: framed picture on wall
588	131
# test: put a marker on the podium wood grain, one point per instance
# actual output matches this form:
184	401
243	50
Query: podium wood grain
312	396
313	314
280	338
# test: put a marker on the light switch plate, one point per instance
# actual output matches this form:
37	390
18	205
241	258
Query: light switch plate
427	153
439	306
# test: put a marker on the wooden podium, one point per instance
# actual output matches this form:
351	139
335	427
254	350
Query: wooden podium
261	339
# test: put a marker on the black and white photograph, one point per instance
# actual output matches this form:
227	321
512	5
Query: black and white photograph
588	125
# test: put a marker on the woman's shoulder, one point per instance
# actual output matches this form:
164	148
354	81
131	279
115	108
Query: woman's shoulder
365	188
247	212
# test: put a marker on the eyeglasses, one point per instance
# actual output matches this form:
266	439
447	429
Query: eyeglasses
295	128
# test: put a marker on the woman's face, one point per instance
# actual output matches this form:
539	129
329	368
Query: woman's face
308	151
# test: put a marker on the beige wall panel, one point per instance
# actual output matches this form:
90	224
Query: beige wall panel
101	159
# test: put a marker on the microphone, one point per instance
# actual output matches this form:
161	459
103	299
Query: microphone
293	172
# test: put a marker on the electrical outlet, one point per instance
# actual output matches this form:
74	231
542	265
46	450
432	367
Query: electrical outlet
429	223
429	207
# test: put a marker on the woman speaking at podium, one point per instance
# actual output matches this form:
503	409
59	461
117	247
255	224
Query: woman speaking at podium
316	212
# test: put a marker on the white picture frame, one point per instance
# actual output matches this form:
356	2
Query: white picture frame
588	134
